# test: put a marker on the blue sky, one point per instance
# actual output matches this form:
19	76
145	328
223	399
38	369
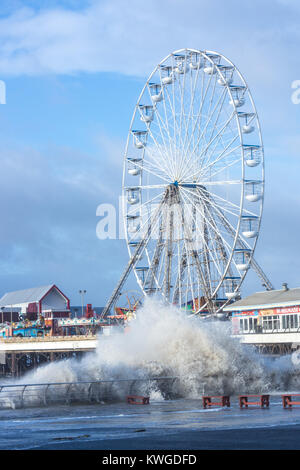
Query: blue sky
73	72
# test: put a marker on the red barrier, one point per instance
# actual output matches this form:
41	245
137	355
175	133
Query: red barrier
137	400
224	400
264	401
287	400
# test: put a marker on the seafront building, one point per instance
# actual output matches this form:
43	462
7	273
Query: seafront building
270	320
47	301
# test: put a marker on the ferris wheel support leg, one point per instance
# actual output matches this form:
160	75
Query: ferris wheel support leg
132	262
116	292
151	277
203	281
173	198
265	281
183	264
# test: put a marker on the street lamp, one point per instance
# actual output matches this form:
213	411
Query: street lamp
82	293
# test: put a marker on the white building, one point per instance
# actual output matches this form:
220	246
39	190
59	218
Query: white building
48	301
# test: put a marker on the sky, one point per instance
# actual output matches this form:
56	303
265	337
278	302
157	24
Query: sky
73	72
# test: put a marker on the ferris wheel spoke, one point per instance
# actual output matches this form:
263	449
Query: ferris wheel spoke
179	143
214	127
208	116
199	116
192	100
218	136
227	225
203	151
211	201
164	155
185	229
166	139
223	201
231	230
170	145
188	160
182	90
225	168
202	135
209	225
225	153
223	245
213	226
165	94
144	167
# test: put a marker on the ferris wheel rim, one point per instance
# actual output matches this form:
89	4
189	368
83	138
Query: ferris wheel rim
237	234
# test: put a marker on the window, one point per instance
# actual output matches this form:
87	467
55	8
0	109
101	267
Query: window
271	322
290	321
244	325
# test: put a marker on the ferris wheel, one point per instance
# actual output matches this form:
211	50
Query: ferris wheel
193	182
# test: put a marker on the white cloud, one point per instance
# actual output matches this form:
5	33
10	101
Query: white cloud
131	37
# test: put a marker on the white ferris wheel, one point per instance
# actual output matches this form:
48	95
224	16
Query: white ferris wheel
193	182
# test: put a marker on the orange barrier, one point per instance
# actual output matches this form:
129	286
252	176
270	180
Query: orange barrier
264	401
137	400
287	400
224	400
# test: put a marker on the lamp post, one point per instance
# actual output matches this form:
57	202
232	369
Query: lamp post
82	293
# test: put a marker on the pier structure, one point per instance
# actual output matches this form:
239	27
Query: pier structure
19	355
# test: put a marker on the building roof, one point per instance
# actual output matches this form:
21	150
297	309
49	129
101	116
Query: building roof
267	299
35	294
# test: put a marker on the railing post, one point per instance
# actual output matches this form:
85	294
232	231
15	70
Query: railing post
22	396
68	401
89	392
45	394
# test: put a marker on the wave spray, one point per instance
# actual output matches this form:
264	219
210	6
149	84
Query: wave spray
164	342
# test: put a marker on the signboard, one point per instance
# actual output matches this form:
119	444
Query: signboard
278	311
288	310
246	313
267	311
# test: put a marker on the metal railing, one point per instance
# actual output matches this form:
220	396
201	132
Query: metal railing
41	339
47	394
266	331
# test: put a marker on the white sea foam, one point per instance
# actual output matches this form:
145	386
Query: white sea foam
163	341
